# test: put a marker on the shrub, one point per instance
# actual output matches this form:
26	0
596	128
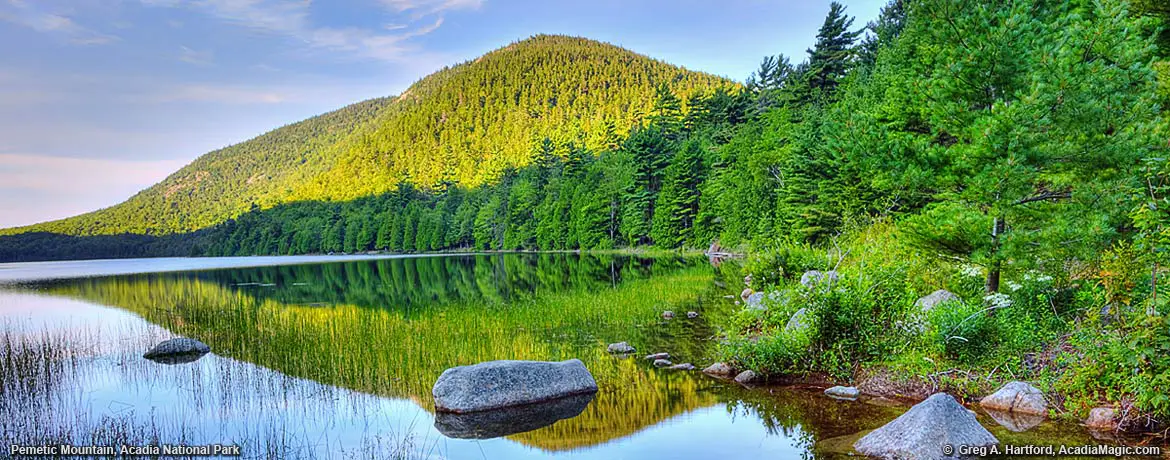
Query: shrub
961	331
783	264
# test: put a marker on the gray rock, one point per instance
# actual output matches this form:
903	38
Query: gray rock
683	367
692	314
620	347
1017	397
936	298
922	431
719	370
841	392
177	351
667	314
510	420
662	363
747	377
747	280
756	301
1015	421
814	278
747	292
799	320
500	384
658	356
1102	418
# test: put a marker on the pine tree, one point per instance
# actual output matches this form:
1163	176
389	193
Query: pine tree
833	55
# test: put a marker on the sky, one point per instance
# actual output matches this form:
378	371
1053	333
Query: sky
102	98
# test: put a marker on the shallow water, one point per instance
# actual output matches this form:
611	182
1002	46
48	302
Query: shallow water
325	357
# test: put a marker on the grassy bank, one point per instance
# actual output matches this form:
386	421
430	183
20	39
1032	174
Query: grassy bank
1089	333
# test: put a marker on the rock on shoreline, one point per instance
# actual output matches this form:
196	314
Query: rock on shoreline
924	431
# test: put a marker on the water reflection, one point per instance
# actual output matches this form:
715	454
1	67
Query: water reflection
338	360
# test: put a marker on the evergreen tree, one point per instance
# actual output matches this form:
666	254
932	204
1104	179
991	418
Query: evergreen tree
833	55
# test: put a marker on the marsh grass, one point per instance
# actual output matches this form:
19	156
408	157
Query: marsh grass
43	397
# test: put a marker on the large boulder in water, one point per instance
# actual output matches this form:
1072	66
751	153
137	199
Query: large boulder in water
1017	397
924	430
936	298
177	350
500	384
510	420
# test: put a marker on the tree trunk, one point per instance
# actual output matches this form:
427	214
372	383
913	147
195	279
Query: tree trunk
997	229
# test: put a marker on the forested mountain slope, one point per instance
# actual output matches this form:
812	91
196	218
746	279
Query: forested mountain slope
464	124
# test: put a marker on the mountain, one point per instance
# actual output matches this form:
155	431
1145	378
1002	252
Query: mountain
464	125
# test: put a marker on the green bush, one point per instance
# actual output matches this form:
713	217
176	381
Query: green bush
784	264
1127	360
961	331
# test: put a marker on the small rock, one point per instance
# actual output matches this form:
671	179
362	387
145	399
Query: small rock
813	278
747	280
799	320
1102	418
756	301
746	293
667	314
662	363
941	296
658	356
177	351
499	384
747	377
719	370
683	367
841	392
692	314
737	302
924	430
1017	397
620	347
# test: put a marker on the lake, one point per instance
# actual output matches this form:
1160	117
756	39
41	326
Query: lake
335	357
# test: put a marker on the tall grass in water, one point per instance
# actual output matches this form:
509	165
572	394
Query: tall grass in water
44	402
399	349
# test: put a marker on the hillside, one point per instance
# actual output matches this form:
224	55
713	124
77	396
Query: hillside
463	124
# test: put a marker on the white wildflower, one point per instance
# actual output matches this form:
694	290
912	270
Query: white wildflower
1037	276
1013	286
971	271
998	300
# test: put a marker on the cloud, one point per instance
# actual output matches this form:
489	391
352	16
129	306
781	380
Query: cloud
431	6
41	173
220	95
191	56
26	14
292	19
31	189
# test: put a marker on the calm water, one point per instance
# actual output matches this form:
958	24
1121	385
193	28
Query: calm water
328	357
